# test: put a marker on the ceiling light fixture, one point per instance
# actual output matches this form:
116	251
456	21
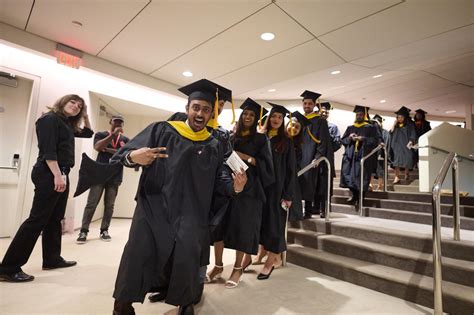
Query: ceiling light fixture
271	90
76	23
377	76
267	36
450	111
336	72
188	74
382	101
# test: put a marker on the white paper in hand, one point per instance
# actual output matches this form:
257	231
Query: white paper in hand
235	163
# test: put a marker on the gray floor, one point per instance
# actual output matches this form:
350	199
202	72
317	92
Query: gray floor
87	288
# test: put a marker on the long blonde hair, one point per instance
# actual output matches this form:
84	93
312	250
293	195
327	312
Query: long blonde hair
58	108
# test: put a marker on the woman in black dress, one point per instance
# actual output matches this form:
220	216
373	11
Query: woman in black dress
279	195
56	130
244	216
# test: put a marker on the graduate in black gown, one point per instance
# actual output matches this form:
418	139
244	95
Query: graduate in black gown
379	172
403	137
358	140
316	143
422	126
244	216
295	130
170	226
280	194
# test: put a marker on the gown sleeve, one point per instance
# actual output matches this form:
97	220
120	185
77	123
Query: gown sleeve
290	179
322	148
264	161
84	133
345	140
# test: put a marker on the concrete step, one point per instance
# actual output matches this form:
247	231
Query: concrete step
420	196
414	206
391	176
403	238
457	299
454	270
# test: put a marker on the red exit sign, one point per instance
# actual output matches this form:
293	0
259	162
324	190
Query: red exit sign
68	56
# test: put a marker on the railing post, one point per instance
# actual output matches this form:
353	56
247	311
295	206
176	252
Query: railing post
361	189
385	172
437	274
456	211
328	199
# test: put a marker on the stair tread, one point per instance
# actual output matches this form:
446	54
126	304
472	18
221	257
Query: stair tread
458	291
391	250
407	201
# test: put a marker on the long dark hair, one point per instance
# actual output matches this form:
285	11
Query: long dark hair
58	108
281	139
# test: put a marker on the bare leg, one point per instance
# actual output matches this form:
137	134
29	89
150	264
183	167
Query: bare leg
397	174
237	271
380	184
261	254
407	173
267	267
216	272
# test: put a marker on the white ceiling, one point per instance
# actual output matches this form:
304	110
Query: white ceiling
423	48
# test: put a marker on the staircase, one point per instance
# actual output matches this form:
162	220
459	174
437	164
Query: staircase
389	249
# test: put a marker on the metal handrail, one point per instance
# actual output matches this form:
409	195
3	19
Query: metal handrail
385	174
314	164
469	158
450	162
8	167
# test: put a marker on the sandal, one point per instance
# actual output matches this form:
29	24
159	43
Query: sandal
230	284
216	276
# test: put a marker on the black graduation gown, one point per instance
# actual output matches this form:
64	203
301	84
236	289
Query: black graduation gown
350	170
296	209
244	217
170	224
272	234
421	128
312	150
400	136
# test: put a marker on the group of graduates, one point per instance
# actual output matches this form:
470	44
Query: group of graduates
189	199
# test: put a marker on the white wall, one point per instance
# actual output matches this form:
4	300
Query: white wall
15	103
452	139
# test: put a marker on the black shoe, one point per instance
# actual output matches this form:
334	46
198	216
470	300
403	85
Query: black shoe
199	296
61	264
351	200
104	235
123	308
262	276
307	215
322	215
19	276
186	310
157	296
82	238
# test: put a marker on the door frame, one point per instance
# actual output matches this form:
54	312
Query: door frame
26	160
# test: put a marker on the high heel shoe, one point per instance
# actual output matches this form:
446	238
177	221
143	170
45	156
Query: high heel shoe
216	276
246	266
263	276
230	284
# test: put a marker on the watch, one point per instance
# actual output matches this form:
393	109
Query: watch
249	160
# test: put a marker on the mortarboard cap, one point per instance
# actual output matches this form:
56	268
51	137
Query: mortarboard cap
253	106
279	109
310	95
421	111
301	118
361	109
378	118
326	105
403	111
205	90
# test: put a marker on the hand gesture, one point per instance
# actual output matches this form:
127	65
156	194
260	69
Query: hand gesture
117	130
240	179
263	128
146	156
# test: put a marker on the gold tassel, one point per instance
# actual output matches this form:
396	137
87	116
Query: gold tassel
261	114
215	124
291	125
233	112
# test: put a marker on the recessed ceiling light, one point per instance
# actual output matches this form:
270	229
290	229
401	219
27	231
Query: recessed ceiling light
450	111
382	101
267	36
336	72
271	90
377	76
188	74
76	23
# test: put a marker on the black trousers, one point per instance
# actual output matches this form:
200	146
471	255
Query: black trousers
45	216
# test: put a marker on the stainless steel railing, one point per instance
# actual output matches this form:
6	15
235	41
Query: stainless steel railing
312	165
450	162
385	174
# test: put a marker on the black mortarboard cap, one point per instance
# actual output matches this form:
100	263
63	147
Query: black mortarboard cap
253	106
279	109
360	108
311	95
403	111
301	118
421	111
378	118
326	105
205	90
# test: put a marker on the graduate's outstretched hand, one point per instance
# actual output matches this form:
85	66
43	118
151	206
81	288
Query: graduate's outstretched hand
240	179
146	156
